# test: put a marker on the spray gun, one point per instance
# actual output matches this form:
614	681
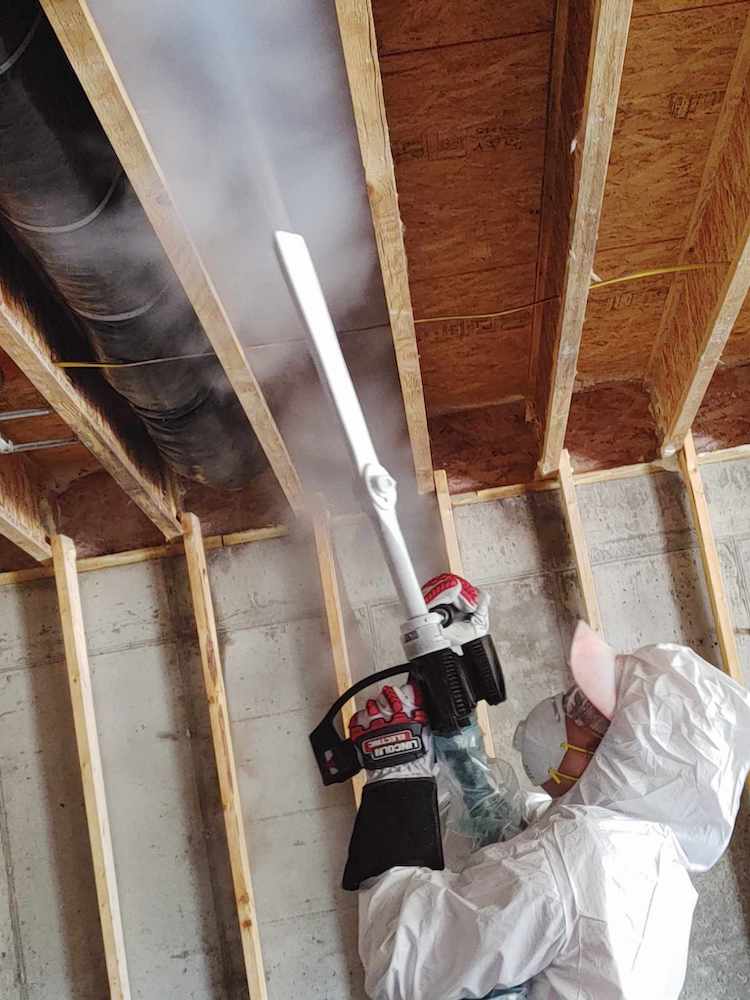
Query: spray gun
452	683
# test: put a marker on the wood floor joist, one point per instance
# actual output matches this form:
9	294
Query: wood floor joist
144	481
218	711
76	29
23	517
335	617
703	306
710	559
360	54
578	542
92	778
455	565
588	54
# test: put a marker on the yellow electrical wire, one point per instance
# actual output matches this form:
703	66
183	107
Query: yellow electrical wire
132	364
635	276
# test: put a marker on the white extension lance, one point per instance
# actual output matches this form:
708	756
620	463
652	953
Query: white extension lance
422	632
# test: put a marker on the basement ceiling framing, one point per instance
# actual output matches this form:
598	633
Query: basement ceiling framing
108	487
538	174
558	167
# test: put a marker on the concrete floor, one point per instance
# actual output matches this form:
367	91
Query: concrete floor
166	818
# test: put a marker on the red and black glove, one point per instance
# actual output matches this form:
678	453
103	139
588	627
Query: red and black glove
398	821
392	735
466	605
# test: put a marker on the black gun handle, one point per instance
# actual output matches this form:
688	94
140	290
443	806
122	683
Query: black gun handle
337	757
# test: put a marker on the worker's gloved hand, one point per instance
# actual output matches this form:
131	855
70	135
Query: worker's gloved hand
466	606
398	821
392	735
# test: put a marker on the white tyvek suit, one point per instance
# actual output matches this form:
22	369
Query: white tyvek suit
593	901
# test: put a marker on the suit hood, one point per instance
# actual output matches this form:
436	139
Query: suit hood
677	750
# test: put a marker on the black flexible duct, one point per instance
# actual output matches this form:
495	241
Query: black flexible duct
65	196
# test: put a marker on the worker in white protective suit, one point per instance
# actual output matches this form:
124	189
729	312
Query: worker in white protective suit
645	763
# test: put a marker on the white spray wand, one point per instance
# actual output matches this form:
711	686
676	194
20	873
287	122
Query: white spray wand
422	632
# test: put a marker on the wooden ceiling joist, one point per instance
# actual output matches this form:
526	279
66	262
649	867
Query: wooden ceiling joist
588	54
360	53
703	306
76	29
22	514
144	482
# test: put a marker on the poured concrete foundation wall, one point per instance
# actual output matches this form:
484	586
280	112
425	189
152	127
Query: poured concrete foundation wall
176	899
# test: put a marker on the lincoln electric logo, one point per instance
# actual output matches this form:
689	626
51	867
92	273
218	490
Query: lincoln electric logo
391	744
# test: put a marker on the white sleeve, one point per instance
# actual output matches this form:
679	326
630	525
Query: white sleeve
426	934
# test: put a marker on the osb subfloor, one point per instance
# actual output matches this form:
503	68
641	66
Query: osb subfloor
611	425
101	519
486	447
723	420
608	426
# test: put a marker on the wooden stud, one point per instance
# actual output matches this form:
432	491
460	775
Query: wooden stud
496	493
141	478
93	563
360	54
702	308
335	617
84	717
218	710
578	541
79	36
710	558
455	565
22	508
588	55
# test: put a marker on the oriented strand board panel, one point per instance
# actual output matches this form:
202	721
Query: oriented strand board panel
642	8
473	362
407	25
622	319
486	447
723	420
467	126
694	336
611	425
677	67
465	96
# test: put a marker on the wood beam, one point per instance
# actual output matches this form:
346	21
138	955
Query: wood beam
578	541
142	478
357	31
87	739
24	514
455	565
76	29
221	734
703	305
588	54
710	559
335	618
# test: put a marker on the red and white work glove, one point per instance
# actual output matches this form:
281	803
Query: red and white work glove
398	821
393	729
468	607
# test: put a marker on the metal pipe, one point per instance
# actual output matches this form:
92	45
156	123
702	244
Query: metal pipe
22	414
11	448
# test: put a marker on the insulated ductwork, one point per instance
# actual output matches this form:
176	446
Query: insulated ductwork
65	198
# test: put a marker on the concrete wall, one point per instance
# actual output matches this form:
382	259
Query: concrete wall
166	817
